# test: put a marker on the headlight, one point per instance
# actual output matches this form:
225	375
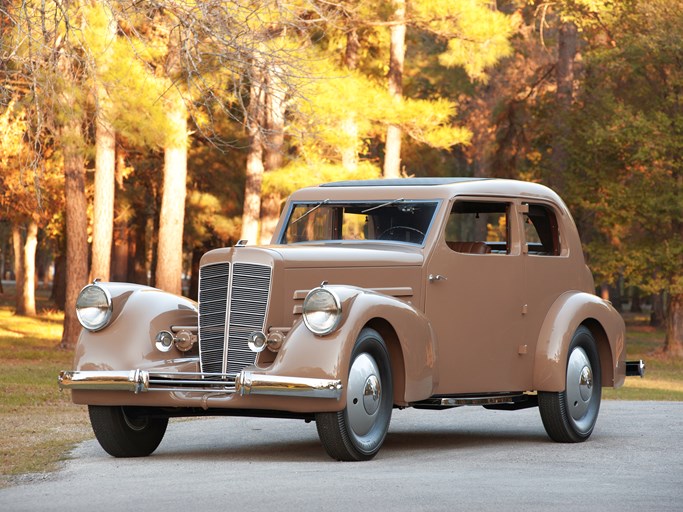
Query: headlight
93	307
322	311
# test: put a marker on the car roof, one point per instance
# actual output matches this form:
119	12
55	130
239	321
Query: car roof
400	182
425	189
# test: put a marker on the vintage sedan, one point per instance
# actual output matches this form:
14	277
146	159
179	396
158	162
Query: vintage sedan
373	296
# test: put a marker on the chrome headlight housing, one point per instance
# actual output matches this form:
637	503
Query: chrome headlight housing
322	311
94	307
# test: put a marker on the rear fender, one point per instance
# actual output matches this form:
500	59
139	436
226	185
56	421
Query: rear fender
569	311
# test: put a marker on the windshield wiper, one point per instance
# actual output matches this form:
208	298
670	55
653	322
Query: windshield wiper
310	211
383	205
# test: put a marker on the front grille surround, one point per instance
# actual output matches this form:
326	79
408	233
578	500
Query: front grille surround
233	303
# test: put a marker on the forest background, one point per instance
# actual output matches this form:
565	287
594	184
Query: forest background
138	135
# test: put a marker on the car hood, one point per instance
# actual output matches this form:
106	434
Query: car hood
345	255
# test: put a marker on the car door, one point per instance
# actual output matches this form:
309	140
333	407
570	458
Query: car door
474	299
547	266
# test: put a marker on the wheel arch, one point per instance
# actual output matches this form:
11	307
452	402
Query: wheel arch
393	344
604	348
568	312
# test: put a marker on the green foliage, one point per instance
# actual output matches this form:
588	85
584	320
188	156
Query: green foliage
628	138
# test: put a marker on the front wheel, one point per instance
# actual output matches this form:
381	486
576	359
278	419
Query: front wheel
569	416
358	432
122	433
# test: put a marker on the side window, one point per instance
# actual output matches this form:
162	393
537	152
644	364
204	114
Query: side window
541	231
478	227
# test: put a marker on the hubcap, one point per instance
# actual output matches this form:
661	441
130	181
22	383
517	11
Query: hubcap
579	383
364	394
586	383
371	394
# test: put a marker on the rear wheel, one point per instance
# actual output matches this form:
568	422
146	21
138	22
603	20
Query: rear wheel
358	432
122	433
569	416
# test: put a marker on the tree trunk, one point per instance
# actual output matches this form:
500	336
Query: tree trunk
137	251
58	295
673	342
119	253
169	268
252	190
254	172
103	204
18	246
349	127
392	151
151	238
76	228
122	227
352	50
636	306
3	263
273	157
566	54
25	267
616	294
29	263
270	214
273	151
105	166
657	315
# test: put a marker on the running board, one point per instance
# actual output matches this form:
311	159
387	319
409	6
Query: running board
511	401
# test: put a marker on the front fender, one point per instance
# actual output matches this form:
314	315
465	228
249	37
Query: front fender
569	311
328	357
139	313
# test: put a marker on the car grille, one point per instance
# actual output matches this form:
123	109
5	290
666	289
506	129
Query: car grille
238	299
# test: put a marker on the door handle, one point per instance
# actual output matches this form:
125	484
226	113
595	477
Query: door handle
437	277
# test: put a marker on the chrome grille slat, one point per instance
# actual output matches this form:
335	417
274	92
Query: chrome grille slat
252	282
238	295
213	304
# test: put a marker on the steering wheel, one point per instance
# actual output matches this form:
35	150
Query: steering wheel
409	231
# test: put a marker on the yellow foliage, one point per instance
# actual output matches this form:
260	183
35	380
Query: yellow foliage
13	125
299	174
478	36
338	110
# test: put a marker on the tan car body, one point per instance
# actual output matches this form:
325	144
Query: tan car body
454	324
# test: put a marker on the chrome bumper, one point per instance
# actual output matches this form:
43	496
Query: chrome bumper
244	383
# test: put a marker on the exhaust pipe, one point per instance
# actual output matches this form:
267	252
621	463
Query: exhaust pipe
635	368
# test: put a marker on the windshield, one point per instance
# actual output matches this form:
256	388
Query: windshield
397	220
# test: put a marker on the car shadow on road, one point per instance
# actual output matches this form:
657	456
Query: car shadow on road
304	446
460	439
264	451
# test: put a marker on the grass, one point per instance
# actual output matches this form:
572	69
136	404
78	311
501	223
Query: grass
40	424
663	375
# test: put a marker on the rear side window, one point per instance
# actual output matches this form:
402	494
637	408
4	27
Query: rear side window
541	231
479	227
